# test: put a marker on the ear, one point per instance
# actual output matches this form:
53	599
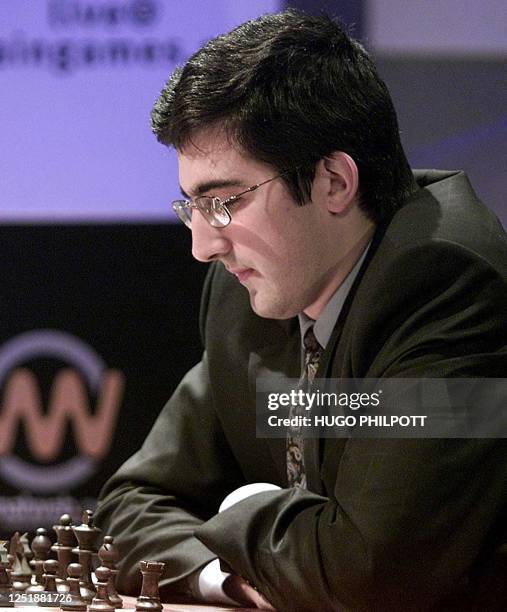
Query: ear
342	184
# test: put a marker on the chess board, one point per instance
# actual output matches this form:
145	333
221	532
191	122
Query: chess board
76	573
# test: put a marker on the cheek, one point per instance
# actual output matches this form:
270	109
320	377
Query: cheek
280	238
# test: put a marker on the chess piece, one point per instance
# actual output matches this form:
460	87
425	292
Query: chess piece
10	563
75	604
50	572
109	555
26	547
5	581
41	545
65	542
149	600
87	536
20	571
100	602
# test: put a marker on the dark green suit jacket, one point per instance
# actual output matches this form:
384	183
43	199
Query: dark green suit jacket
392	524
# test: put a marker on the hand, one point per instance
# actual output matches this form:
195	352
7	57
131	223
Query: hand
238	589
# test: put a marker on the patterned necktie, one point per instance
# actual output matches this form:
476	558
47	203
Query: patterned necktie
296	473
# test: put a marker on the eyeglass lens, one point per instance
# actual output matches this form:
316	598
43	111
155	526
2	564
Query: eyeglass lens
210	208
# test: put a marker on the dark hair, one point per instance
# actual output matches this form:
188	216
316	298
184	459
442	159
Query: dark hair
290	88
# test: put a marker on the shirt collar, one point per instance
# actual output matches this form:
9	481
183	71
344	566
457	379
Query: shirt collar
324	325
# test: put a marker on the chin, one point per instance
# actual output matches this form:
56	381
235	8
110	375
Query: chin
271	309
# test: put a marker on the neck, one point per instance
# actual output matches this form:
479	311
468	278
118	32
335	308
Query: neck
339	272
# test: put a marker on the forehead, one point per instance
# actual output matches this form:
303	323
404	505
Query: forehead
208	151
210	156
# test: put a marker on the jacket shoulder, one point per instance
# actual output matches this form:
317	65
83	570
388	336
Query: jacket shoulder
446	209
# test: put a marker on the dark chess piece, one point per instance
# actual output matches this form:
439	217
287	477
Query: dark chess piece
101	601
87	536
50	572
149	600
109	555
41	545
65	542
20	571
75	604
6	591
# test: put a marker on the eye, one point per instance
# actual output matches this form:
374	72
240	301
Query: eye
233	201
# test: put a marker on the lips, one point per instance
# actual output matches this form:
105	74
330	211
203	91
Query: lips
242	274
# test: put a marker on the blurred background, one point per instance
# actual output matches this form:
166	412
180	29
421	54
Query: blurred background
100	294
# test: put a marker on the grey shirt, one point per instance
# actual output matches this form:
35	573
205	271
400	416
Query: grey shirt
325	323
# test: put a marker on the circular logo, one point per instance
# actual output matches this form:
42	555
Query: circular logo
81	357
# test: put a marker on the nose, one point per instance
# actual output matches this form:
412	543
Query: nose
208	242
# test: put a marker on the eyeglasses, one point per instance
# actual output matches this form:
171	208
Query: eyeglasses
212	208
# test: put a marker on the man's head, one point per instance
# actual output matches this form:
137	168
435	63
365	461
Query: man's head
291	98
289	89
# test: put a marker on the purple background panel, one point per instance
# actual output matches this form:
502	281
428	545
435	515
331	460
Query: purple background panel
78	81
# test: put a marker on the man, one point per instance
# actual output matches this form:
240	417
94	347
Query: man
299	194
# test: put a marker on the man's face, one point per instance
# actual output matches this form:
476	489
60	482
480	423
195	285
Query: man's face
284	254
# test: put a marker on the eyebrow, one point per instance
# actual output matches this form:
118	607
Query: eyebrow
202	188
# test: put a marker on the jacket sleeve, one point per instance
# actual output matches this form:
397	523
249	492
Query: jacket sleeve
174	483
405	521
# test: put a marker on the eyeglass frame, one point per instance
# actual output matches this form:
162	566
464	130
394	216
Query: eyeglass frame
181	205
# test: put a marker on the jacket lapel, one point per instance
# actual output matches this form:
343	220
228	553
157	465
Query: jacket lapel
334	363
273	363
